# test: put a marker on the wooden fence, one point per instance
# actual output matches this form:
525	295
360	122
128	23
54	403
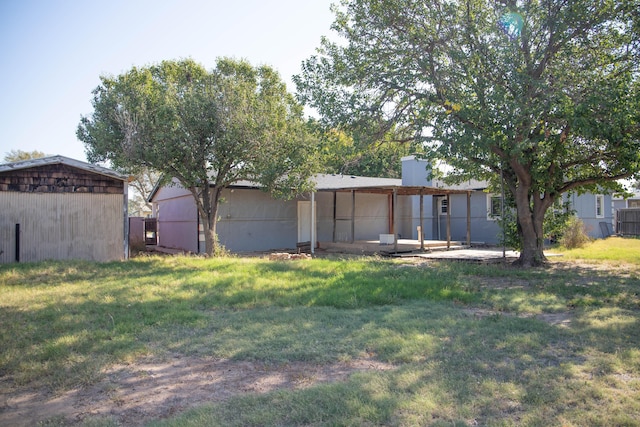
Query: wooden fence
628	222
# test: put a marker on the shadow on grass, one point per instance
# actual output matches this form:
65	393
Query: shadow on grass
77	319
452	368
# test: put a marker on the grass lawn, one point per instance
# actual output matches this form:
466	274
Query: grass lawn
469	344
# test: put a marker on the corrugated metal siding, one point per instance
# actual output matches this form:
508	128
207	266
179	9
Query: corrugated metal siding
251	220
61	226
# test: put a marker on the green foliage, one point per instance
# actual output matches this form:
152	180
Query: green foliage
343	154
208	129
554	105
17	155
557	222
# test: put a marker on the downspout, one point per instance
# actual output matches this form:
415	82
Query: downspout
390	210
395	225
335	201
125	185
353	216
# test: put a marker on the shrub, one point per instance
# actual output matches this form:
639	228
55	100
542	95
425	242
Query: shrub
575	234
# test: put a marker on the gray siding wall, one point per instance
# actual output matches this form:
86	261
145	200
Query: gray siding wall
413	218
435	223
251	220
585	207
371	216
483	230
56	226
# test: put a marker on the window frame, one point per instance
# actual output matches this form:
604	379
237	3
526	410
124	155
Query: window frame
599	206
490	213
443	203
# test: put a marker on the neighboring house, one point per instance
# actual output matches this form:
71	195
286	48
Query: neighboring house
620	202
348	209
57	208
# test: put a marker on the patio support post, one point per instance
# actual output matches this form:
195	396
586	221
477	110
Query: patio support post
421	236
468	218
390	209
448	222
313	223
353	216
393	213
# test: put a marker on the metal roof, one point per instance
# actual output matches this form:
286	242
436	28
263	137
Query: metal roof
363	184
55	160
359	184
325	182
470	185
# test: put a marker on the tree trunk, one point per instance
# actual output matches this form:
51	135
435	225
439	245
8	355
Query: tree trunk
210	240
530	226
209	219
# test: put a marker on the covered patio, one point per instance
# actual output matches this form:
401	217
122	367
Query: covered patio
390	241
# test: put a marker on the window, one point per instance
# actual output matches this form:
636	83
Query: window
599	206
494	207
444	206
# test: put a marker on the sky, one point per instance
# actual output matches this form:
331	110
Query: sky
53	52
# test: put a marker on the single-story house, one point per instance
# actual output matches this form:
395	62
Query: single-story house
348	209
57	208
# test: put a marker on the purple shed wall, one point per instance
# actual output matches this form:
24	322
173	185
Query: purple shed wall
177	219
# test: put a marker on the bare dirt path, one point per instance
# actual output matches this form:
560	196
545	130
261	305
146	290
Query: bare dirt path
140	392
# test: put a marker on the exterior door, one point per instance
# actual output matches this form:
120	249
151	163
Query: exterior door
304	221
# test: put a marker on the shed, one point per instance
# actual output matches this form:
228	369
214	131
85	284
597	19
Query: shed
57	208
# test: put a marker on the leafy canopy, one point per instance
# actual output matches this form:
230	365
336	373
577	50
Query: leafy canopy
341	153
558	97
546	91
207	129
232	123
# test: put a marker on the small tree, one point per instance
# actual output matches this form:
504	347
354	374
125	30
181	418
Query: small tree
18	155
342	153
142	183
206	129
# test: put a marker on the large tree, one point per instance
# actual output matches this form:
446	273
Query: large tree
545	92
208	129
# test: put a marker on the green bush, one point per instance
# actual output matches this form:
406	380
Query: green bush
556	221
575	234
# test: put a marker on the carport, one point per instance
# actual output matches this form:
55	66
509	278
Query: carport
393	192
